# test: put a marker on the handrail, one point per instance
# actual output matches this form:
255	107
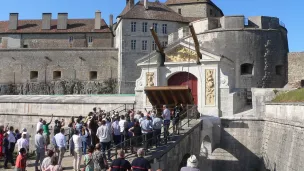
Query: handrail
144	136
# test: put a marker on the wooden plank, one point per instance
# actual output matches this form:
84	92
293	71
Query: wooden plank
151	99
164	97
174	97
166	88
182	97
155	97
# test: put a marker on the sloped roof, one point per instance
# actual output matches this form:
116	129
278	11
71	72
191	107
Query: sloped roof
169	2
74	25
179	2
156	11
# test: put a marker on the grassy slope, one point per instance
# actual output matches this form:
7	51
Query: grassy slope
291	96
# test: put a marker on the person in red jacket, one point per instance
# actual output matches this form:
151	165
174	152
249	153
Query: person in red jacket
21	160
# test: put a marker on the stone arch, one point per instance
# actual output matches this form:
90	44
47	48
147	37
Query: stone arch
183	162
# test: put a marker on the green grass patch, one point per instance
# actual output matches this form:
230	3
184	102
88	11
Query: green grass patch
290	96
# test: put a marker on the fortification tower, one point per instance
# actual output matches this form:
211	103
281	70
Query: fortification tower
195	8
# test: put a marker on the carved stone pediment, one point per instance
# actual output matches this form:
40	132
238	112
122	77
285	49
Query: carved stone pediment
181	54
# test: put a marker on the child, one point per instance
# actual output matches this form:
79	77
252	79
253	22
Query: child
88	160
21	160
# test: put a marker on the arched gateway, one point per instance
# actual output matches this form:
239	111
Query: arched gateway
185	79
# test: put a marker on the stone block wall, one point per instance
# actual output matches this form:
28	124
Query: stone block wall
73	64
241	144
283	147
295	67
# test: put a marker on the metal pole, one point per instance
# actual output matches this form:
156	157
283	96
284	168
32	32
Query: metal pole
188	114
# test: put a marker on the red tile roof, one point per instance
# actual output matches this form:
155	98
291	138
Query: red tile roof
156	11
74	26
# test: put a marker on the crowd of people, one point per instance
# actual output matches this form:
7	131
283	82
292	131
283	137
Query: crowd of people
91	138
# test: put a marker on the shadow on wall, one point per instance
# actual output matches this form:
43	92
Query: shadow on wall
233	154
183	163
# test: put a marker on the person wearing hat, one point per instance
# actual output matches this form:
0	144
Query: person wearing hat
192	164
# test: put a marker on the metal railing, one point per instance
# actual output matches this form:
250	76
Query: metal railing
189	115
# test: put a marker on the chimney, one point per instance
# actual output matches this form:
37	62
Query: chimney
127	2
111	21
46	21
146	4
131	3
13	21
97	20
62	21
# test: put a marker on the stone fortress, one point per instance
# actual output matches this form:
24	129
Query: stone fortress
232	64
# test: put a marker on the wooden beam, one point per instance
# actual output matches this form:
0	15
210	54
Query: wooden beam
159	46
148	94
196	43
155	97
182	97
174	97
164	97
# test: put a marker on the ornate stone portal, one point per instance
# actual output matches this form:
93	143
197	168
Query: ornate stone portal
181	54
150	79
210	87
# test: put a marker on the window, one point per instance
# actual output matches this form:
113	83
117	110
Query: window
180	11
302	83
71	39
144	27
246	69
0	40
165	44
33	76
25	46
90	39
56	75
279	70
164	28
144	45
153	45
93	75
155	27
133	26
133	44
211	12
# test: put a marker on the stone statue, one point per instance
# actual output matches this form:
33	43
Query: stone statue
210	93
150	79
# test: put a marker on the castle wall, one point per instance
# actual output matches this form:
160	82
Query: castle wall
295	67
74	64
254	46
283	137
56	40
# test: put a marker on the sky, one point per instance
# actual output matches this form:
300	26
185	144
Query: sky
290	12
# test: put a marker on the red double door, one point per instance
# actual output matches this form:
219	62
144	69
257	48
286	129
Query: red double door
185	79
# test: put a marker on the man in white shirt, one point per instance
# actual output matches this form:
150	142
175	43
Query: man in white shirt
104	135
167	117
77	150
11	139
39	124
123	124
22	142
40	148
116	131
61	144
24	131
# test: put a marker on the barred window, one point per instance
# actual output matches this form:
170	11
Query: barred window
90	39
165	43
164	28
154	46
133	44
71	39
144	27
144	45
155	27
133	26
